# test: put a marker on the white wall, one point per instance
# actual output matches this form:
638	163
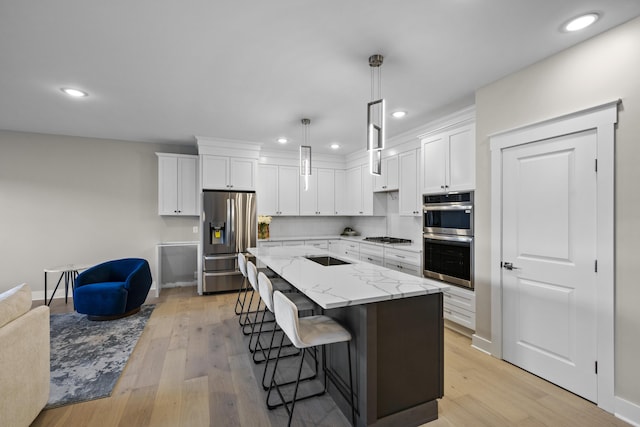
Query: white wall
78	200
599	70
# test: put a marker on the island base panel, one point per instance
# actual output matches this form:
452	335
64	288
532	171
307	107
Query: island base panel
398	360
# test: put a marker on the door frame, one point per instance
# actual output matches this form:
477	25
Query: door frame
602	118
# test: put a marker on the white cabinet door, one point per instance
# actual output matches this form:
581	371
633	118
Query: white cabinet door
242	174
309	197
215	172
325	192
340	192
288	190
188	198
408	196
367	191
388	180
354	191
462	159
336	246
177	185
434	164
167	185
228	173
267	192
448	161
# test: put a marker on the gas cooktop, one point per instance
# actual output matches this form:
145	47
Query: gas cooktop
386	239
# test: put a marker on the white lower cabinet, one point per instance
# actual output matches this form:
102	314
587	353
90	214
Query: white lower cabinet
372	254
336	246
320	244
352	249
460	306
406	261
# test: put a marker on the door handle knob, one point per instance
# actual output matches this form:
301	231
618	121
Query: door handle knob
509	266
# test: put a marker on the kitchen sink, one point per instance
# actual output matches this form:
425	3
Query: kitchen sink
326	260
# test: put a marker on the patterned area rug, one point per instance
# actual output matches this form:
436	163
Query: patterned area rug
87	357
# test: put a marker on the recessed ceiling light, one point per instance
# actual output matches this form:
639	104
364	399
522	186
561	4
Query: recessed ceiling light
581	22
335	146
399	114
74	92
282	140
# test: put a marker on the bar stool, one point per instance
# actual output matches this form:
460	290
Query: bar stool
301	302
242	264
305	333
252	274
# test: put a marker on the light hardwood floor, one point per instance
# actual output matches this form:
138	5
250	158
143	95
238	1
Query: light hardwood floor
191	368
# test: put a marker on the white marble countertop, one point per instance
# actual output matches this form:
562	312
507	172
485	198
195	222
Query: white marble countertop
342	285
413	247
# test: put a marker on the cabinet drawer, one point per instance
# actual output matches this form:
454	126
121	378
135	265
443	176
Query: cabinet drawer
404	257
352	250
320	244
373	259
376	251
292	242
403	267
459	315
462	298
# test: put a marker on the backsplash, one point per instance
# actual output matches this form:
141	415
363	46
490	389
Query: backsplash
392	224
299	226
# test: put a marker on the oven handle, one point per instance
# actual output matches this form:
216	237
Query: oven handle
447	207
465	239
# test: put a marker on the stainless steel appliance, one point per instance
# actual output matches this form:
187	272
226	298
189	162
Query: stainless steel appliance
228	226
448	238
448	213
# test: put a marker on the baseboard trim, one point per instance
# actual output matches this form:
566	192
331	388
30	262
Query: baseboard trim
482	344
627	411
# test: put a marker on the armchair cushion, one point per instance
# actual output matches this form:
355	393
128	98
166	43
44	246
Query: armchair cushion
112	288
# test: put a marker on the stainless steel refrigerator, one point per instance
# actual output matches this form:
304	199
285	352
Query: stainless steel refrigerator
228	226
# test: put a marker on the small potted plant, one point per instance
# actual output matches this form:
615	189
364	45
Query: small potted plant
263	226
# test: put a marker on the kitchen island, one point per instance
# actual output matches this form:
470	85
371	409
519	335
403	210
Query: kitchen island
397	328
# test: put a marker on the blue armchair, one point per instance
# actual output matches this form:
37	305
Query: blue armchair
112	289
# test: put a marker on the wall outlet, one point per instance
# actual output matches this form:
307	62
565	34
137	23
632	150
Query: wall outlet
195	229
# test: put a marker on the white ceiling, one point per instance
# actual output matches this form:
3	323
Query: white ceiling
164	71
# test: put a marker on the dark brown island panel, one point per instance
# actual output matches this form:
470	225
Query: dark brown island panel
399	360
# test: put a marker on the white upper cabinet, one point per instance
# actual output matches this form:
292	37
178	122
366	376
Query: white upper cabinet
320	198
177	184
409	199
277	192
340	192
228	173
354	191
448	160
360	199
228	165
388	180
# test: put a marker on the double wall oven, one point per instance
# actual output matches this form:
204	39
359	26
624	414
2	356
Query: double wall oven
448	238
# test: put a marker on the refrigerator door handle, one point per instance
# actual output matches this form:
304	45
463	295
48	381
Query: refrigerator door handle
232	221
227	229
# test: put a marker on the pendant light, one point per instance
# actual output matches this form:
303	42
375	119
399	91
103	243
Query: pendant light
375	117
305	154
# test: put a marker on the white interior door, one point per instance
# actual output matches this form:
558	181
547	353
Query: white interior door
549	237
